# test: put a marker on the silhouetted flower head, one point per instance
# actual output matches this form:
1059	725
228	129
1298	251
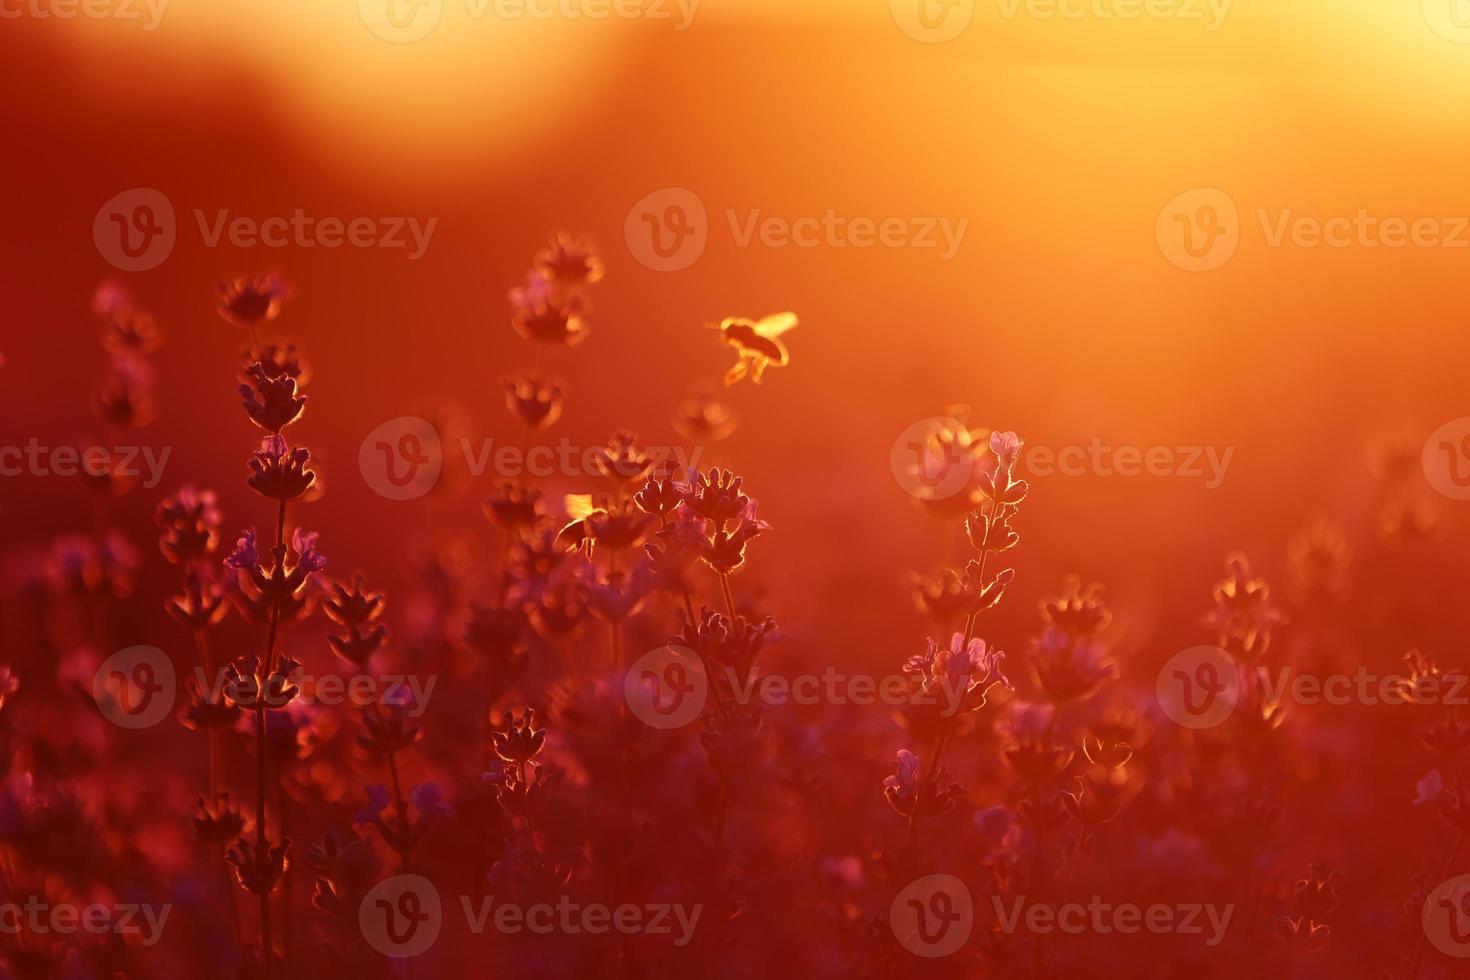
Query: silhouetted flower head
82	564
357	610
129	330
532	563
248	686
248	301
1030	749
1006	446
259	869
716	496
621	460
189	522
205	711
1319	557
1068	667
621	594
518	740
245	556
1243	615
217	823
387	729
519	789
514	509
619	526
680	544
272	402
907	790
400	830
279	472
276	359
725	551
561	606
941	596
105	471
352	606
723	643
346	860
1077	611
536	404
546	315
569	261
961	671
126	396
200	600
660	497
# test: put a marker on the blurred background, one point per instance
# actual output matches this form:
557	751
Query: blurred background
1058	143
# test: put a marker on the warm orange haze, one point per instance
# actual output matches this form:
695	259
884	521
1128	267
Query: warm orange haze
664	488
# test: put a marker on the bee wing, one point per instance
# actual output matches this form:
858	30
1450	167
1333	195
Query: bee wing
579	506
776	324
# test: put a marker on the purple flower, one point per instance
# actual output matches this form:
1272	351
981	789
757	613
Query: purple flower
1005	445
378	800
1430	788
245	555
428	800
963	673
307	557
1029	721
905	780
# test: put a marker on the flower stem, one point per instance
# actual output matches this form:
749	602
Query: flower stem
261	774
729	598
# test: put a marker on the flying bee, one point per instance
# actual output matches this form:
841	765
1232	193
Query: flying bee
758	342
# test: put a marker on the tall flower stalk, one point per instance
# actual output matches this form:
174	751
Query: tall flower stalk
959	675
272	586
